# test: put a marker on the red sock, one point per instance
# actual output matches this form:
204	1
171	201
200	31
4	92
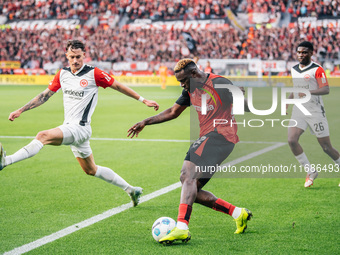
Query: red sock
184	213
223	206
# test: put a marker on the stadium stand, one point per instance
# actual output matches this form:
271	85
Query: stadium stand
264	6
38	48
326	8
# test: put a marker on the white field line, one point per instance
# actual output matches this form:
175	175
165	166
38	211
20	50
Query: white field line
254	154
83	224
71	229
135	140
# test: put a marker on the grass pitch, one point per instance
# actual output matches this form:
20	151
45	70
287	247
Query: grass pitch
49	192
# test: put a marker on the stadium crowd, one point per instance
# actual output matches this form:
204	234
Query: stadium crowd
58	9
330	8
36	48
83	9
159	10
264	6
184	9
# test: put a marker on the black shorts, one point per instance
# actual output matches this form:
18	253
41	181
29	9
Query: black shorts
209	150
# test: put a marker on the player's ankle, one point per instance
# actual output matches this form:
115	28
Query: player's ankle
182	225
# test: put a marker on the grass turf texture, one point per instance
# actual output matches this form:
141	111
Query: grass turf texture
50	192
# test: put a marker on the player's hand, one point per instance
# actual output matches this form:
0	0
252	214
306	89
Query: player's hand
243	91
136	129
14	115
151	103
302	95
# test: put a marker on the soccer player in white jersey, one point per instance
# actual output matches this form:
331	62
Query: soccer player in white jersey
312	77
79	83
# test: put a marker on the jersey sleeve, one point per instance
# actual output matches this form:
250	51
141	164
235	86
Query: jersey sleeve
320	77
224	93
184	99
102	78
55	83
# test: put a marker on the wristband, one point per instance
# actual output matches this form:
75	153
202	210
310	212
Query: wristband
141	99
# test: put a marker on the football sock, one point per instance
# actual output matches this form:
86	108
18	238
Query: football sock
303	160
26	152
184	212
223	206
110	176
236	212
337	161
181	225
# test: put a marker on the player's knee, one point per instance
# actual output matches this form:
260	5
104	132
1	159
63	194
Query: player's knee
185	178
184	175
42	136
326	148
292	141
89	171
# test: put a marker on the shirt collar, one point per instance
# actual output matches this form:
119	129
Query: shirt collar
79	70
302	68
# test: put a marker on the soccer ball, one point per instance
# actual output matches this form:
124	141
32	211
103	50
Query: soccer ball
162	227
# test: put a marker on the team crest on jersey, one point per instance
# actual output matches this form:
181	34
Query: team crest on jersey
307	77
84	83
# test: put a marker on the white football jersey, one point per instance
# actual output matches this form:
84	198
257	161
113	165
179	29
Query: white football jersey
80	92
310	77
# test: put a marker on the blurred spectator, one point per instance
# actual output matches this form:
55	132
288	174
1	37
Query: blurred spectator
264	6
208	68
58	9
83	9
307	8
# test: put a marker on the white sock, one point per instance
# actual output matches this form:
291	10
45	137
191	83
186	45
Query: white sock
236	212
181	225
110	176
303	160
337	161
26	152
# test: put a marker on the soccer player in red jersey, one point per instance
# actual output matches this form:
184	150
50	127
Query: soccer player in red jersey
79	83
211	149
309	75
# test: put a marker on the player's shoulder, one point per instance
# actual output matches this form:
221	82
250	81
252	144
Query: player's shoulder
86	69
312	67
185	93
217	79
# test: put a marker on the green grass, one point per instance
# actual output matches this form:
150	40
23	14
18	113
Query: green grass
50	192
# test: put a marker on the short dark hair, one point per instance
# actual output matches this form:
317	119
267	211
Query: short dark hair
75	44
306	44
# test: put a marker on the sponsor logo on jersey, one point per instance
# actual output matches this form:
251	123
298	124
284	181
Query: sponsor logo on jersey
210	107
74	93
307	77
84	83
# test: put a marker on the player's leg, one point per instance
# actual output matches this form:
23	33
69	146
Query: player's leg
294	134
89	166
208	199
188	196
52	137
241	215
327	147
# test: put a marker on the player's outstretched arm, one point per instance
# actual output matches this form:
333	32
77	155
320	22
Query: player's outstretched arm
320	91
166	115
35	102
131	93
